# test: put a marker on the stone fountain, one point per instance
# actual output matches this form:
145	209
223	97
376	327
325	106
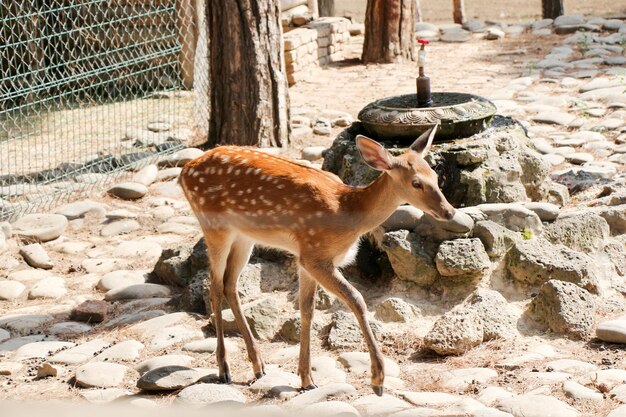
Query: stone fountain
480	157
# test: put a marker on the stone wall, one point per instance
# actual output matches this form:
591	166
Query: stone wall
316	44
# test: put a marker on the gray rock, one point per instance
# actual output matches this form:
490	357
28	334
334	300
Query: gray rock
205	394
494	33
91	311
571	366
36	256
119	227
128	190
498	319
536	261
613	331
12	290
585	232
345	331
474	25
320	394
462	379
276	383
126	350
462	259
455	333
174	266
513	216
330	409
24	323
146	176
170	378
262	316
69	328
163	361
40	227
209	345
529	405
100	375
359	362
564	308
569	20
396	310
496	239
547	212
615	216
404	218
163	338
580	392
40	349
554	117
81	353
456	36
459	226
168	174
159	126
79	209
121	278
408	257
137	291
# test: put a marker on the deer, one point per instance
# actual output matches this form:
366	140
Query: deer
242	197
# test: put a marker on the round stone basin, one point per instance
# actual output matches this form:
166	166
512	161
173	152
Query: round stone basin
398	117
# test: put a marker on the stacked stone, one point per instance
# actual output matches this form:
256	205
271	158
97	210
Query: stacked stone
316	44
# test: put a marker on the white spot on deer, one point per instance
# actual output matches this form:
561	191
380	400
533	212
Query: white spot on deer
229	170
248	190
225	159
237	171
224	193
202	201
219	171
222	203
202	180
257	171
196	188
311	232
259	188
249	170
239	192
317	244
280	186
210	170
253	202
233	185
243	161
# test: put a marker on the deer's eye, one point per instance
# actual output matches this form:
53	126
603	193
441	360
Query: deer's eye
416	184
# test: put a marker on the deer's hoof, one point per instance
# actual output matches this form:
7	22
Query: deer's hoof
225	378
378	390
309	387
259	375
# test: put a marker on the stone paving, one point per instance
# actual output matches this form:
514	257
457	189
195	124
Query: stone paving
83	318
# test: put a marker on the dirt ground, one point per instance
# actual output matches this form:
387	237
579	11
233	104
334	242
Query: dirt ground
502	10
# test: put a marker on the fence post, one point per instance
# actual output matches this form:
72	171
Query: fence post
188	35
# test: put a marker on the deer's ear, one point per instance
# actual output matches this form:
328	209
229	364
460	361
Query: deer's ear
374	154
423	143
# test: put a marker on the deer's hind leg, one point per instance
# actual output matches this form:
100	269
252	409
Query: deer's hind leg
308	286
237	259
219	244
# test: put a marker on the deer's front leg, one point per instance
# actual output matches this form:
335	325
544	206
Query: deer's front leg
308	287
325	273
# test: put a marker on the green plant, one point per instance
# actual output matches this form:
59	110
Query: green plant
526	234
583	43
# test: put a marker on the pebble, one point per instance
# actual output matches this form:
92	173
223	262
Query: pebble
137	291
146	176
613	331
69	328
40	349
105	395
320	394
127	350
209	345
40	227
205	394
81	353
91	311
158	323
165	360
170	378
46	370
121	278
529	405
103	265
359	362
36	256
128	190
12	290
79	209
580	392
373	405
100	375
119	227
162	338
51	287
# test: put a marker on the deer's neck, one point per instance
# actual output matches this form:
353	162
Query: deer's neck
371	205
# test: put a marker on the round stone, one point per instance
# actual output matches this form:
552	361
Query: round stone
52	287
122	278
147	175
613	331
12	290
100	374
159	127
120	227
128	190
40	349
164	361
137	291
127	350
170	378
204	394
69	328
41	227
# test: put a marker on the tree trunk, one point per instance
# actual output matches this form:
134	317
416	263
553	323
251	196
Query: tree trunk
389	31
327	7
249	97
459	11
552	8
418	11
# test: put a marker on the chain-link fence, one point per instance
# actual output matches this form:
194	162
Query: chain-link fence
90	89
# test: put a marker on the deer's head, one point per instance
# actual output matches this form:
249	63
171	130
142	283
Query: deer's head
414	180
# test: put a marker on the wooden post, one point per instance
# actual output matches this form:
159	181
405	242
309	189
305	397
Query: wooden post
188	35
551	9
313	8
459	11
418	11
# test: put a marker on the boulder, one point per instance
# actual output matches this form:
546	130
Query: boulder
262	316
396	310
497	317
462	259
496	239
455	333
564	308
345	331
536	261
585	232
513	216
410	257
174	266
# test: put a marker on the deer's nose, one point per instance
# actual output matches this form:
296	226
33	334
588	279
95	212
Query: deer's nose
449	213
